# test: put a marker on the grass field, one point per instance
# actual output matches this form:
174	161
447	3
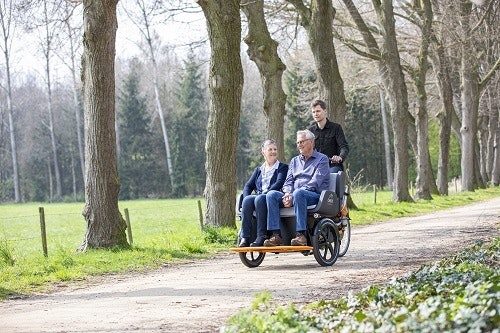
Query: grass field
164	231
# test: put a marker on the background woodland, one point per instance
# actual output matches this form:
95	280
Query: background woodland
419	103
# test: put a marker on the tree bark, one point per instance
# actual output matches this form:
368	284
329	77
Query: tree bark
469	100
225	85
47	47
387	142
263	50
423	182
6	19
494	136
391	74
318	22
395	85
76	100
105	224
441	68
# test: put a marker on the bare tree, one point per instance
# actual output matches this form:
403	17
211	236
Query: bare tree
42	17
105	225
143	19
423	10
47	43
441	66
391	73
7	30
225	84
317	20
387	142
263	50
73	34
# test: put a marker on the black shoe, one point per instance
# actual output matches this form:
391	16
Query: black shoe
243	242
259	241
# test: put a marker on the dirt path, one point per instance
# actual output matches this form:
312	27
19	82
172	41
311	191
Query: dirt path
199	296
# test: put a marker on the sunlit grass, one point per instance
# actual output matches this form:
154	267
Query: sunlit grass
164	231
368	211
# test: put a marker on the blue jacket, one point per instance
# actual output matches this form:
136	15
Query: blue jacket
255	181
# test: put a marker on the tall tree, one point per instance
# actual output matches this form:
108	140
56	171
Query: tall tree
299	83
391	74
143	19
472	83
225	85
72	33
441	66
105	224
263	50
137	161
51	29
7	30
317	19
424	11
189	132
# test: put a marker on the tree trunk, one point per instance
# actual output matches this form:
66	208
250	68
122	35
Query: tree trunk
263	50
76	101
318	21
47	49
391	74
423	183
105	225
6	20
225	85
492	105
494	136
395	87
495	171
469	100
483	130
441	68
387	141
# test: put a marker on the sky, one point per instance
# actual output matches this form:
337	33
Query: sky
27	56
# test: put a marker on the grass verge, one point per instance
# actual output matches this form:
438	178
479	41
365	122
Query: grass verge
164	231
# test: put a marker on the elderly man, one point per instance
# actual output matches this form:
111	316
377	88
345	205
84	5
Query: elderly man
308	175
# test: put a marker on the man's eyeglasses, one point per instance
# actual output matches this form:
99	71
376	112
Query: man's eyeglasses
301	142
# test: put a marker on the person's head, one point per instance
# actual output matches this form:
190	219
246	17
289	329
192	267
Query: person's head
319	111
305	142
269	150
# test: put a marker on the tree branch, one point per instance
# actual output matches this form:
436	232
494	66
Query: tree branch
486	12
489	75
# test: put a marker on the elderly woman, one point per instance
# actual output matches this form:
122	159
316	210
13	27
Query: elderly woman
269	176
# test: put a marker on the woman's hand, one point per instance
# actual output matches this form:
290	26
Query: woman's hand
287	200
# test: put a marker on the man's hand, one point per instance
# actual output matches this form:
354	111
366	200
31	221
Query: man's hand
336	159
287	200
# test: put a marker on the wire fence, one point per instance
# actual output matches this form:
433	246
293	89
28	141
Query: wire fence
62	225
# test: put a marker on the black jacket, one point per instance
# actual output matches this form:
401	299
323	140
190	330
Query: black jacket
330	140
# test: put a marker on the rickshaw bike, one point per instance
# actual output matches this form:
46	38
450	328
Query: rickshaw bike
328	228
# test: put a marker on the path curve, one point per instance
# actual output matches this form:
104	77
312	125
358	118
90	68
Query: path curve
200	295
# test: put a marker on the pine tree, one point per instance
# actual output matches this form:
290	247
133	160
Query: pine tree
299	87
189	131
366	146
137	163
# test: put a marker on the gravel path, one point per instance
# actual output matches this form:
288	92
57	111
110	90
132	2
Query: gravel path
199	296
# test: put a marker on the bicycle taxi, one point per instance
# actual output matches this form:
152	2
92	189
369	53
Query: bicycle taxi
328	228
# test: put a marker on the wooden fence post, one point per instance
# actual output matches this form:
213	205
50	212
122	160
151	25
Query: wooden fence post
129	228
374	194
44	233
200	214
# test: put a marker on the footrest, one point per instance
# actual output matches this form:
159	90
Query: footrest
275	249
